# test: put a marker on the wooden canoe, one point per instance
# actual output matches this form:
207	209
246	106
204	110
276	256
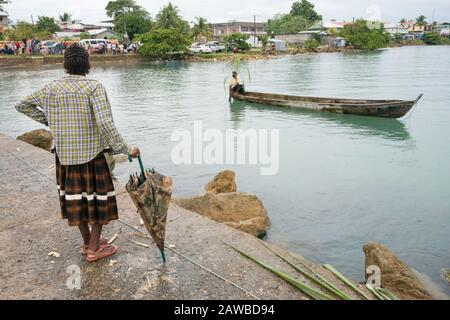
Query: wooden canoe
372	108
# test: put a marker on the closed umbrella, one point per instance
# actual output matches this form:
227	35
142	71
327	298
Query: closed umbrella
151	193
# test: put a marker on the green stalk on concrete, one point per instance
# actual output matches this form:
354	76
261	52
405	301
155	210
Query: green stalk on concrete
341	277
387	293
316	278
375	292
313	293
380	293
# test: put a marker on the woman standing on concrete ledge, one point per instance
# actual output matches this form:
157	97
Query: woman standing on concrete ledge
78	112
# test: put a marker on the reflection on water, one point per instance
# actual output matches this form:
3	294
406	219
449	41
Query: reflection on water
391	129
343	180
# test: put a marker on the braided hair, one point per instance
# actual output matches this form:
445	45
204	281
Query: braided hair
76	60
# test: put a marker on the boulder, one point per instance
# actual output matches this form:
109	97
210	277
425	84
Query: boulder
223	182
40	138
396	276
241	211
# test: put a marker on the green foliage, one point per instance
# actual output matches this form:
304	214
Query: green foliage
22	30
306	10
238	40
201	28
129	17
432	39
421	21
65	17
302	16
361	36
264	40
118	7
134	22
445	40
162	43
42	35
286	23
47	24
169	18
333	32
84	35
311	44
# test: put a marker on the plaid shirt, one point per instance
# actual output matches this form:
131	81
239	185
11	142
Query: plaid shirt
78	112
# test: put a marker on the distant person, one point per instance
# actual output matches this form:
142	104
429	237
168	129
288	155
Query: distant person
78	113
235	85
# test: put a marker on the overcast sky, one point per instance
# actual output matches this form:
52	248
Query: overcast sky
91	11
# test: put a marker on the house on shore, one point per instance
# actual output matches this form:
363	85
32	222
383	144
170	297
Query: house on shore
333	25
442	28
323	32
221	30
73	30
101	34
396	30
298	39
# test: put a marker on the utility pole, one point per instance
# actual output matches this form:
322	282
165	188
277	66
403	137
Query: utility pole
32	20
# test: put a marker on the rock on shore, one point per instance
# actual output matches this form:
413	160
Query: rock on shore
396	276
40	138
241	211
223	204
223	182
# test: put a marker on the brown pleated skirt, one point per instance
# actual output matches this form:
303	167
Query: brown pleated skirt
86	192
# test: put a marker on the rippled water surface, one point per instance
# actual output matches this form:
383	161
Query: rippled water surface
343	180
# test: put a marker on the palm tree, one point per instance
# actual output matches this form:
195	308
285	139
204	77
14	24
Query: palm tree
65	17
168	17
403	21
421	21
201	28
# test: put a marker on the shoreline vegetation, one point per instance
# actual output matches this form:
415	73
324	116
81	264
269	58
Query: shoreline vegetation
251	55
168	36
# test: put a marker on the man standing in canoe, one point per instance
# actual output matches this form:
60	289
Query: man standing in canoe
235	85
78	113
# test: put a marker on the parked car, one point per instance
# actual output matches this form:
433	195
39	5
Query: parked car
215	46
52	47
97	45
200	48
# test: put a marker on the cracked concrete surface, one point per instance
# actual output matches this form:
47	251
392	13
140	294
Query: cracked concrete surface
31	227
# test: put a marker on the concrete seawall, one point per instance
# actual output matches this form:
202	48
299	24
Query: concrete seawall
31	228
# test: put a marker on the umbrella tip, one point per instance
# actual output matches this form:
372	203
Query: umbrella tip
163	256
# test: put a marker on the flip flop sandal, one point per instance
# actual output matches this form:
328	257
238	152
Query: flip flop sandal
102	253
84	249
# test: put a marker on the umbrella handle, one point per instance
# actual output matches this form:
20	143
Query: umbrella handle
141	165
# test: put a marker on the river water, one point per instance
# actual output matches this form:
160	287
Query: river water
342	180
